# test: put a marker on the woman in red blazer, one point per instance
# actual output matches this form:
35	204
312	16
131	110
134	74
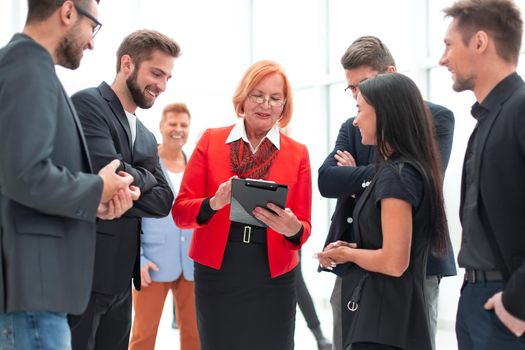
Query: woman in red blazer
244	275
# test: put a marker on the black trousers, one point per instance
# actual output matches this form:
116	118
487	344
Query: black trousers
106	323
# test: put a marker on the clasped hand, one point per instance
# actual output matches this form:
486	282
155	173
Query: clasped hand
119	204
334	253
117	192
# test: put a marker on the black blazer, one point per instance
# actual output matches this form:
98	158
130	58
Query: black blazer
501	192
343	182
48	199
109	136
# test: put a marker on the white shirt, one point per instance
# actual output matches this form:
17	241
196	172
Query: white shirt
132	120
176	179
239	132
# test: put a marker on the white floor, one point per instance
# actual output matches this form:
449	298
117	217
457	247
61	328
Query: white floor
168	338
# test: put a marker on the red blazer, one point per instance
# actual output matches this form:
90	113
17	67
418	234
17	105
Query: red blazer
209	166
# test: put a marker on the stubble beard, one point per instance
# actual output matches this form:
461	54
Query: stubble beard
69	52
463	84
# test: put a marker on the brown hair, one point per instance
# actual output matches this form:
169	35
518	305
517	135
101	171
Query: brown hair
141	44
39	10
253	76
174	108
501	19
368	51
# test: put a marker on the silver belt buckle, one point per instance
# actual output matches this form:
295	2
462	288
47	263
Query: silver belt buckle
247	234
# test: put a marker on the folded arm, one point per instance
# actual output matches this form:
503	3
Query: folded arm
336	178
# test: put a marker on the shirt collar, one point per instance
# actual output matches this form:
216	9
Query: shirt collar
239	132
500	93
497	96
478	111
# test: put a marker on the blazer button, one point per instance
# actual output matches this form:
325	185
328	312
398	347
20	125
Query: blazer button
349	220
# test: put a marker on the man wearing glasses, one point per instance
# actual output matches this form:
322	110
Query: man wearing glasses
49	197
348	170
96	25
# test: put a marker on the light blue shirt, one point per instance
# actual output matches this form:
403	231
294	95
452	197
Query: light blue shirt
166	245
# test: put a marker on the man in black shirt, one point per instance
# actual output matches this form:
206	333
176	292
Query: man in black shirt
482	46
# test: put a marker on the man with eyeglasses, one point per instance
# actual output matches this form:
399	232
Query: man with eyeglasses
49	196
96	25
348	170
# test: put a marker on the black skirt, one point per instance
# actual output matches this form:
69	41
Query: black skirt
240	306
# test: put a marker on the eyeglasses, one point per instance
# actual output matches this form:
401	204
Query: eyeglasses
274	102
351	89
86	14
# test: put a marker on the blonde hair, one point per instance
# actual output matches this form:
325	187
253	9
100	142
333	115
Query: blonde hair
174	108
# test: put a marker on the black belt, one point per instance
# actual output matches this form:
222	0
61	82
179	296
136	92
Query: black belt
476	276
246	233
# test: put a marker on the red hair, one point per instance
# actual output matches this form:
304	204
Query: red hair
252	77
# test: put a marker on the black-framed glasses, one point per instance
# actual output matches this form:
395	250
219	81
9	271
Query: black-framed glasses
86	14
274	102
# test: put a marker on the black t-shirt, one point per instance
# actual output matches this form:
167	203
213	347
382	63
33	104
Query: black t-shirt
405	184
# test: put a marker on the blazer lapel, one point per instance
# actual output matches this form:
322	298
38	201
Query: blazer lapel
79	127
118	110
508	91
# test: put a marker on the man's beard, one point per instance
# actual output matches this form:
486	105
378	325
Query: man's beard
137	94
69	52
463	84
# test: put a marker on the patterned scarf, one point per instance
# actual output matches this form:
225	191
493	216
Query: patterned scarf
245	164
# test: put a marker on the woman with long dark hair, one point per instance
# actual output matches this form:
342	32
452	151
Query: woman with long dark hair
397	221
